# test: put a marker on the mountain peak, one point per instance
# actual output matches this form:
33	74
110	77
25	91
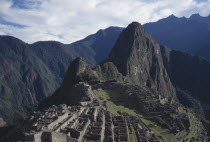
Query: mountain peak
78	59
135	27
172	16
123	48
77	66
78	71
137	56
172	19
196	15
134	24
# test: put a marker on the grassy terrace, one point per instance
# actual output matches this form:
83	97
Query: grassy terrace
196	125
115	101
158	131
132	136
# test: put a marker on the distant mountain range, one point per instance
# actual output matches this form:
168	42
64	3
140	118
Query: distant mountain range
190	35
31	72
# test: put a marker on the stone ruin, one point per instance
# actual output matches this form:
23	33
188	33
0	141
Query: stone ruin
90	121
83	123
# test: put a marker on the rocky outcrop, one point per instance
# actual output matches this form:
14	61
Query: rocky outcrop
2	123
137	56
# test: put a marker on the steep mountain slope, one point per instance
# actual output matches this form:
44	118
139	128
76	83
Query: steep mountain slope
190	74
185	34
93	49
101	42
137	56
24	79
55	55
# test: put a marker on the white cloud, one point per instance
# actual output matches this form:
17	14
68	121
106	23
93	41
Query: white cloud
70	20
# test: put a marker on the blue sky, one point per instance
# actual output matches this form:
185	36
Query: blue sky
71	20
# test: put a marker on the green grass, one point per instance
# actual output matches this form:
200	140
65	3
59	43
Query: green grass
105	99
147	122
196	126
157	130
89	141
132	135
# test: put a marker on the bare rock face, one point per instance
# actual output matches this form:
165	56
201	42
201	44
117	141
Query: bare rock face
2	122
137	56
108	71
78	71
